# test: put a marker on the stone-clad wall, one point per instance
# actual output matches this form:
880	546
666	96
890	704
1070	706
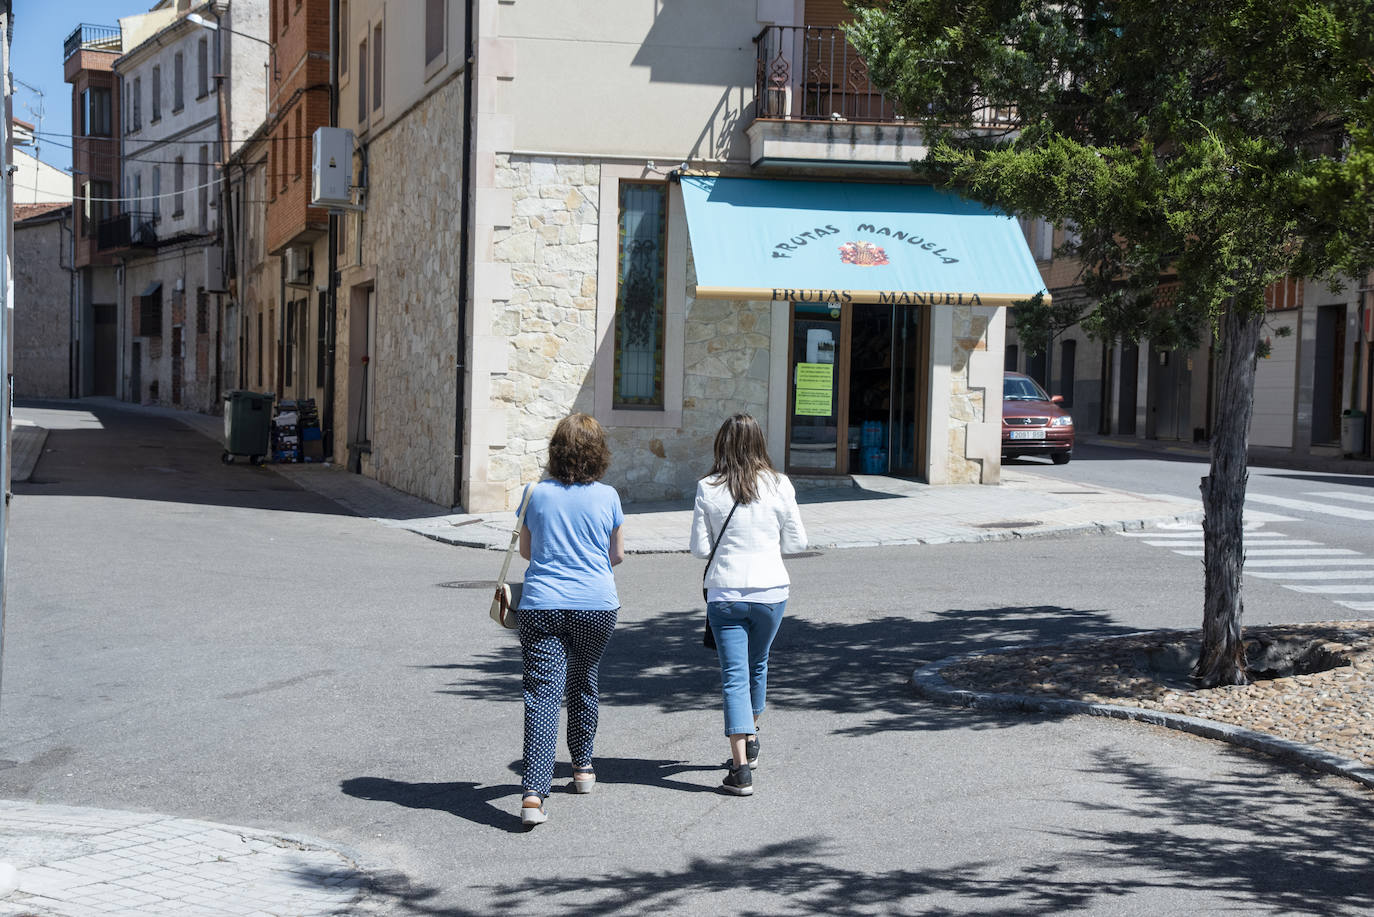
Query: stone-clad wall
550	322
726	364
967	403
412	231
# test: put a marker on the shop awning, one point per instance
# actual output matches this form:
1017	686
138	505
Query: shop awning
826	241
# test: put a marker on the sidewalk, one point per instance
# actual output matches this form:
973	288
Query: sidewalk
876	511
79	861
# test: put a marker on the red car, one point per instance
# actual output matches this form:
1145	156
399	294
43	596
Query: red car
1033	423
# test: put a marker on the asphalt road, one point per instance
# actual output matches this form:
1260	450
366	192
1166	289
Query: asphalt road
212	642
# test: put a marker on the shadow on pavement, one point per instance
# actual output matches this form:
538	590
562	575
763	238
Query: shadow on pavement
1254	842
856	669
96	451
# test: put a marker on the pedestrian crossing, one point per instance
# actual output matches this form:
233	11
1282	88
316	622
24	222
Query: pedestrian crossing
1344	575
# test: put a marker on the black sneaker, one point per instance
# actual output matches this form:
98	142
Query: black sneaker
740	781
751	751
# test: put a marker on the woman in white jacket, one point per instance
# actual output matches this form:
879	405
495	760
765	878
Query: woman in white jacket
746	582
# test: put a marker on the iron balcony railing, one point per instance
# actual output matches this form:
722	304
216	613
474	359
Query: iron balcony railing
813	73
131	229
92	38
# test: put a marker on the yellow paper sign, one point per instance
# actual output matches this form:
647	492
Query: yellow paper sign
815	389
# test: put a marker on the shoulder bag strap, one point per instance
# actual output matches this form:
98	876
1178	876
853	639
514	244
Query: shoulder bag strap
719	539
515	535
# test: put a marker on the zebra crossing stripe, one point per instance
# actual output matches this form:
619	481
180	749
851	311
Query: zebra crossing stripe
1282	552
1312	562
1311	507
1358	606
1337	495
1313	574
1342	589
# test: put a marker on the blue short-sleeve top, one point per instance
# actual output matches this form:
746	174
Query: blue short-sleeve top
570	529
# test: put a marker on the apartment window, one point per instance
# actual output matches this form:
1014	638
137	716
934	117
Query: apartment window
179	187
434	30
203	189
640	295
343	33
362	82
138	190
157	95
95	112
138	102
202	68
202	311
157	192
285	154
282	17
300	139
272	163
259	350
377	67
178	89
150	314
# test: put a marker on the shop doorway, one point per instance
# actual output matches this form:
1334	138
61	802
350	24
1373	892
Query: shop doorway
857	389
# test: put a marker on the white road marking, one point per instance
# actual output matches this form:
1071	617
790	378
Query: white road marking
1286	552
1312	562
1314	574
1307	505
1363	589
1338	495
1358	606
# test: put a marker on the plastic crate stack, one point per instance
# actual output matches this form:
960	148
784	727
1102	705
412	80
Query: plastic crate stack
312	440
286	435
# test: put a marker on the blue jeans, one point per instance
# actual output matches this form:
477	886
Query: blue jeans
744	634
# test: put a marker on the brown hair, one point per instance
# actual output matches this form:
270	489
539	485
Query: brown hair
741	457
577	450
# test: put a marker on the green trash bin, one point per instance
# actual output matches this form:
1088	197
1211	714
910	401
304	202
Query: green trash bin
247	426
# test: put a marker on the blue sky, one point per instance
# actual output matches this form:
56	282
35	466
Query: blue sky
40	28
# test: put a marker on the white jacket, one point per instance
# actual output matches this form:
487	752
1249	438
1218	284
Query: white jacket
750	557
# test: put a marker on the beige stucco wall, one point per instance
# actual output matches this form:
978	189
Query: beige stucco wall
639	66
42	309
411	233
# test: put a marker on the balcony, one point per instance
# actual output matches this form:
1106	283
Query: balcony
87	37
127	230
815	103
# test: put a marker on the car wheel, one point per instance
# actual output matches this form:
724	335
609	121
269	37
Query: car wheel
1061	458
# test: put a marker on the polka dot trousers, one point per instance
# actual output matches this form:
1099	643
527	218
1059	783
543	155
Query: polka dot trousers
562	652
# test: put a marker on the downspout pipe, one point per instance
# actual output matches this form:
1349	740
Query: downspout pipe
464	254
331	332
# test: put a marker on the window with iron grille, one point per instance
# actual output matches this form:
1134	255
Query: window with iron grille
150	315
640	295
202	312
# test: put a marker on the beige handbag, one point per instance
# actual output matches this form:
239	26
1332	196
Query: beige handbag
507	598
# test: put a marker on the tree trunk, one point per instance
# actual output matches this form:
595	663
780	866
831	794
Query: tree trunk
1223	502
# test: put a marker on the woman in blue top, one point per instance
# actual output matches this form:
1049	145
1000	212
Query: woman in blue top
571	537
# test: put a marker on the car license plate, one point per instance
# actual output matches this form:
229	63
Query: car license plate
1027	434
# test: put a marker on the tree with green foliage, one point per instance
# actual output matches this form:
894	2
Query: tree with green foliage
1226	144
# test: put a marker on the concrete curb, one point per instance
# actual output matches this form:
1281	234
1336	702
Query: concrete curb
1052	531
927	682
27	442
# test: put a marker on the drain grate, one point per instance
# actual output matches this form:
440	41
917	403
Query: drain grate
468	584
1014	524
